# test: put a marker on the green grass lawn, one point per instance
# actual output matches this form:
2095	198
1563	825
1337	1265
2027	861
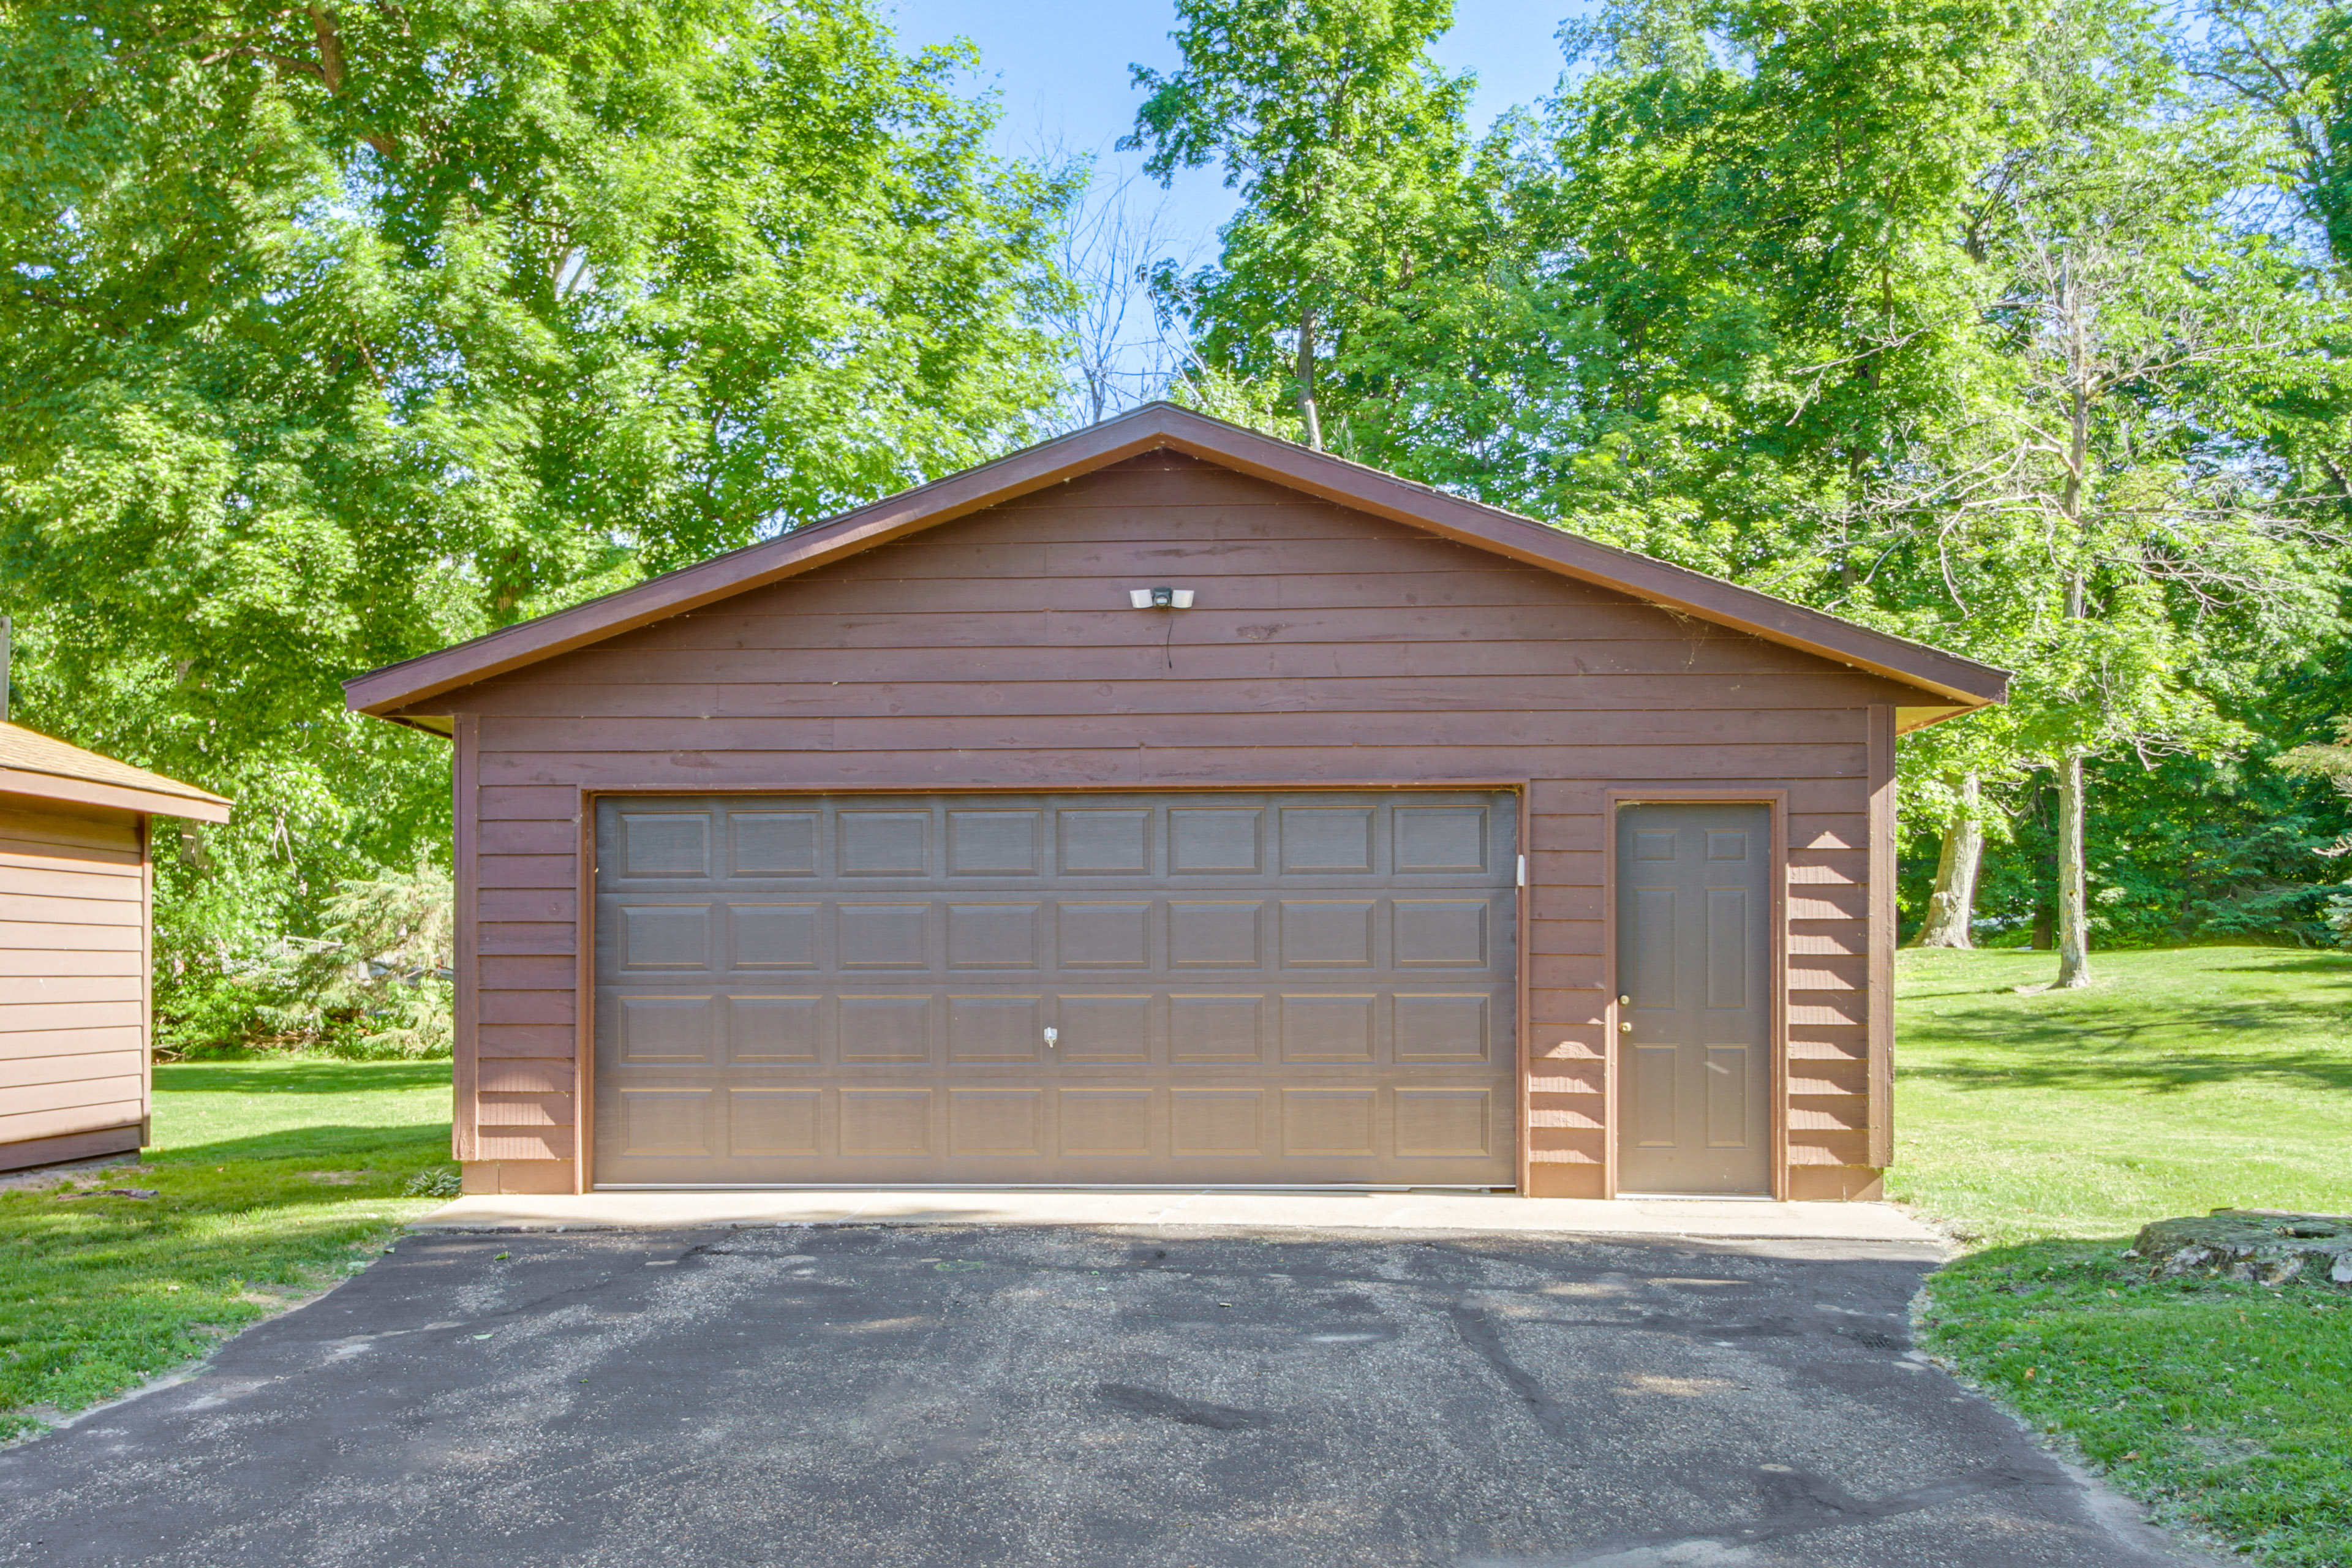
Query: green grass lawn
271	1179
2043	1129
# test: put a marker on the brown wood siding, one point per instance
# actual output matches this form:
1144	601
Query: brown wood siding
73	970
1328	648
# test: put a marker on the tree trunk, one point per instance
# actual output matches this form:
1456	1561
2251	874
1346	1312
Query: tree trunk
1952	909
1307	410
2074	911
2074	908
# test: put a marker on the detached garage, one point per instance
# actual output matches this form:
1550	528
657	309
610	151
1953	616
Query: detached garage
1171	805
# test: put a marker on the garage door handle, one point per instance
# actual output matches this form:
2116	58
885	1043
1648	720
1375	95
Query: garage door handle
1051	1035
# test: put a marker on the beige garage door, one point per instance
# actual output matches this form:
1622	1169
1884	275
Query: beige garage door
1097	989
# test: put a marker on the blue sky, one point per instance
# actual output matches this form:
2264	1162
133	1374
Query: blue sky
1061	66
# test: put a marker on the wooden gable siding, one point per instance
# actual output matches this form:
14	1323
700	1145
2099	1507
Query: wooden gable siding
1327	646
73	973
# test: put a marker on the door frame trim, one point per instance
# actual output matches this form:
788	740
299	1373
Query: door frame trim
1775	800
583	1002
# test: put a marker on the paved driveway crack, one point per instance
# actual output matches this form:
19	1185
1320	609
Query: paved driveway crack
1477	1331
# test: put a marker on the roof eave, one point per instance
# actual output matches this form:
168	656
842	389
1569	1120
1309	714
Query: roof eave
25	782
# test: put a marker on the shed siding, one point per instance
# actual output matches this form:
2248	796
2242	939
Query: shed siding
1328	648
73	975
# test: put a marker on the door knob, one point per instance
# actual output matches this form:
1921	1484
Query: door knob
1624	1001
1625	1028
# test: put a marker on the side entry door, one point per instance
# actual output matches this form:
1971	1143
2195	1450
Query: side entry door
1694	981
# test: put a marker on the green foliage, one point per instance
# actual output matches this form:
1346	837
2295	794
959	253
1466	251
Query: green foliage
376	983
333	335
1347	144
2334	763
1966	320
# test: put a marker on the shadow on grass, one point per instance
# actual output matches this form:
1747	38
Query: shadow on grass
2119	1055
2335	964
329	1146
299	1078
2161	1074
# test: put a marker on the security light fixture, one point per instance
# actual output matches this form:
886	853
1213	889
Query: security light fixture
1160	598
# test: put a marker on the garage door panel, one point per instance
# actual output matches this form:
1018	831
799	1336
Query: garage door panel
1104	934
1219	1029
665	936
996	1124
665	844
1097	1028
776	936
776	1123
1216	1123
1441	840
1327	841
1215	934
1109	1123
1328	934
995	843
784	844
775	1028
1444	1123
1096	841
995	1029
894	1027
1441	933
892	843
1215	841
1442	1026
1329	1121
886	1122
665	1029
1328	1028
667	1123
1000	936
884	936
1253	988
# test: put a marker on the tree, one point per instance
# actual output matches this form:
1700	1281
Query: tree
2290	62
2107	484
330	335
1347	144
1121	352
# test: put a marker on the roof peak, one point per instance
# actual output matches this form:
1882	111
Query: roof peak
1961	683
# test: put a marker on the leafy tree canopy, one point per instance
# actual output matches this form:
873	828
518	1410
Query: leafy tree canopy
332	333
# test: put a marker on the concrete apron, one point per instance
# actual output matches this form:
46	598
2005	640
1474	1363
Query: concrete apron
1696	1218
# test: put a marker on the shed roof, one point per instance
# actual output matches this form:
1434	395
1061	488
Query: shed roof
1948	683
46	768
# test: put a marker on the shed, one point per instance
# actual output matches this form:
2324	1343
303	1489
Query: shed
76	921
1167	805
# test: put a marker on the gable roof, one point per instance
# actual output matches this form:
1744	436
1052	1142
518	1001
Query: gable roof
1949	684
45	767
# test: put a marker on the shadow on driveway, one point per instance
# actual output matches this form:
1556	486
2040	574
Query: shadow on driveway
842	1395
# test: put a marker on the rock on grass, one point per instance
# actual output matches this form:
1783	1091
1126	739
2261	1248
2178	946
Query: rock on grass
2262	1246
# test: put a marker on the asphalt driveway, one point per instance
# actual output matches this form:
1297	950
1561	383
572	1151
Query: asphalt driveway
943	1396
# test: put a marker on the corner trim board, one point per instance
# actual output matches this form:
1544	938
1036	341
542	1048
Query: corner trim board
1880	1004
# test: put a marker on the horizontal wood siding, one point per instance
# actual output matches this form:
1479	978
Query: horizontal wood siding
1327	646
73	971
